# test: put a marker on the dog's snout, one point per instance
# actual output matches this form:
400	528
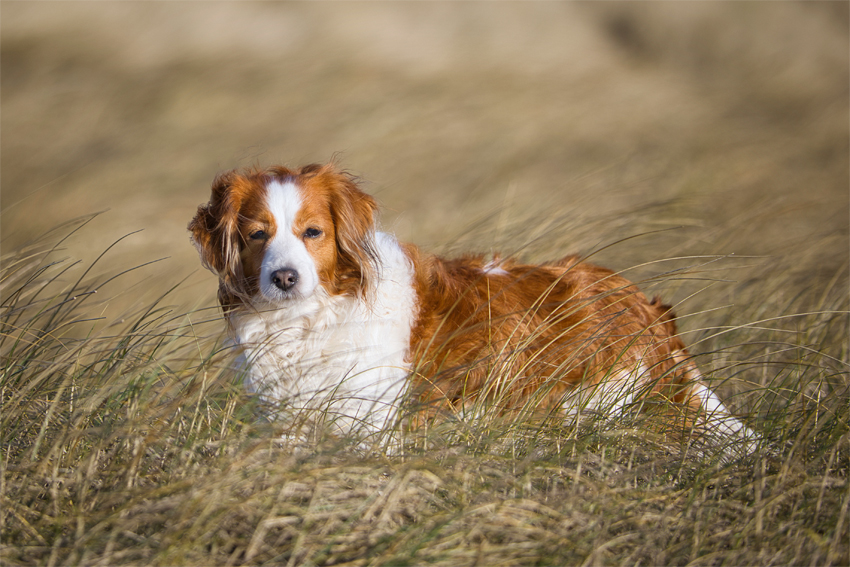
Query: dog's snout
285	279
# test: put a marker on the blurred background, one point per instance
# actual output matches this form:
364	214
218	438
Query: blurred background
543	128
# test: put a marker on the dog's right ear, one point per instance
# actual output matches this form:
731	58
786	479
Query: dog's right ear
214	231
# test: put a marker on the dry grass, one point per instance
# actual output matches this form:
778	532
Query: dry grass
701	148
130	443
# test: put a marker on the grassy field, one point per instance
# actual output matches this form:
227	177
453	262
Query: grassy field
702	149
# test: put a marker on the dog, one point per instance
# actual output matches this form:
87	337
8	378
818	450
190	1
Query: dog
330	313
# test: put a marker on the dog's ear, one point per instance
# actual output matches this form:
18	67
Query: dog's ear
354	214
214	231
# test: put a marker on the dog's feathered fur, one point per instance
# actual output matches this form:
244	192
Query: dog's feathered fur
331	312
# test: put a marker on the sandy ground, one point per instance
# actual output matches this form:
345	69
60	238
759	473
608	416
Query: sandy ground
543	128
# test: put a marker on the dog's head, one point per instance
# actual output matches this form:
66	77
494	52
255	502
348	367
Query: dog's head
277	234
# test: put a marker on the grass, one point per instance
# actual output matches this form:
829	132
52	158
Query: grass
129	441
125	439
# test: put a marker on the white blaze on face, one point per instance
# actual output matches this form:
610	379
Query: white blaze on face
286	249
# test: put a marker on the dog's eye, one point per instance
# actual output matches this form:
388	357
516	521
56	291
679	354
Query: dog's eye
312	233
258	235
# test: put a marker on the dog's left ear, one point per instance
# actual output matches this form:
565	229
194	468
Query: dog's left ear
354	215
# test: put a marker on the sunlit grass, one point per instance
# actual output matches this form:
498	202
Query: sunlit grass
131	441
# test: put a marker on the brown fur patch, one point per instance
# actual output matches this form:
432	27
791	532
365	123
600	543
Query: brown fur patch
541	330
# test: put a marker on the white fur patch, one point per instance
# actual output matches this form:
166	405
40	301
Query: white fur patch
493	267
341	355
717	416
609	396
286	250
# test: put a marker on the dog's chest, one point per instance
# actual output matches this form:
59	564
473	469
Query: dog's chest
307	351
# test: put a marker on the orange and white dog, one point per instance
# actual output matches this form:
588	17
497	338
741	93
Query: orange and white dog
331	313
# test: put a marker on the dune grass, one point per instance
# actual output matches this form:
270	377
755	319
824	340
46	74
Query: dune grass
130	441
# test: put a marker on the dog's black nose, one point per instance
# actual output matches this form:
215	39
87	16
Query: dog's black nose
285	279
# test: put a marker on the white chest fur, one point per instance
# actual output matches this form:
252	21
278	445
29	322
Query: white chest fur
341	355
